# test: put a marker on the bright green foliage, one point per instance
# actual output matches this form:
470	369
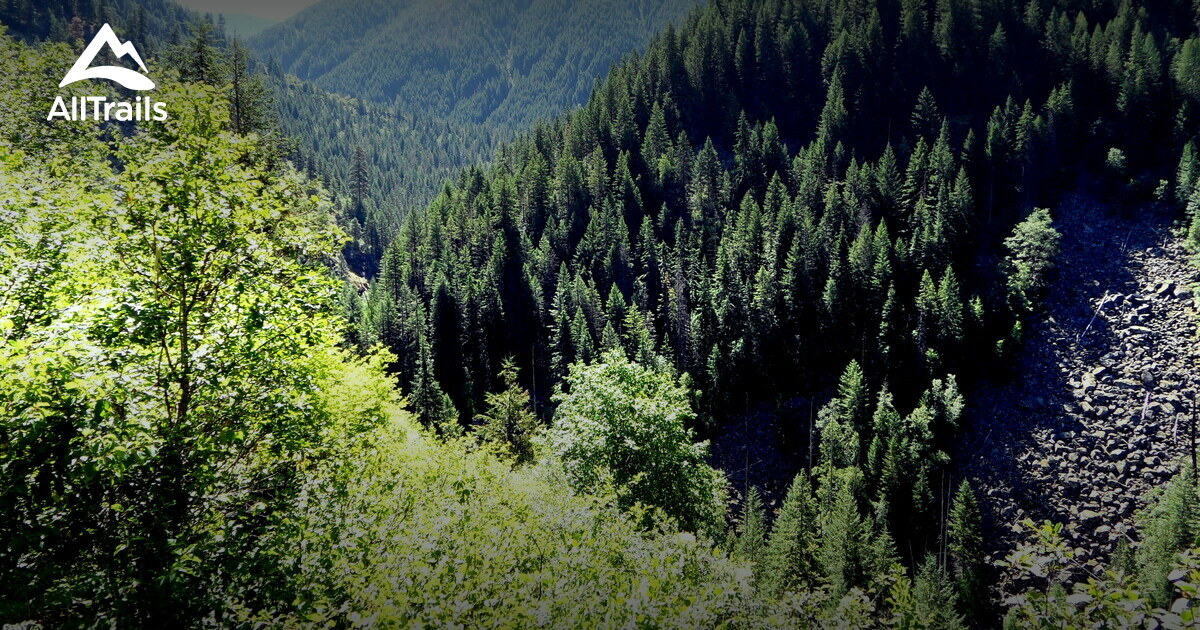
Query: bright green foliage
509	423
1113	600
1193	234
845	535
432	406
170	355
934	598
845	419
854	399
1186	174
1186	68
622	422
409	531
839	447
924	601
1032	248
1170	525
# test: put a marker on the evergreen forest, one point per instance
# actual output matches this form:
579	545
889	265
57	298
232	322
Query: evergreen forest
404	318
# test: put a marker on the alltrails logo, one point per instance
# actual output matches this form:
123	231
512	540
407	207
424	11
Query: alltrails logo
99	107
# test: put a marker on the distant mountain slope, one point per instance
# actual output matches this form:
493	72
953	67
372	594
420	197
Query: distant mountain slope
148	22
502	63
450	81
407	157
240	25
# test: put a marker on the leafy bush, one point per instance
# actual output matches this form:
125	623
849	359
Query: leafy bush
627	423
414	532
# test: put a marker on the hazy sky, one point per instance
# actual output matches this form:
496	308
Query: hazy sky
270	9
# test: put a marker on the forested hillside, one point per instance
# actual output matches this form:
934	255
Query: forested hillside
792	199
466	61
149	22
852	208
435	86
380	162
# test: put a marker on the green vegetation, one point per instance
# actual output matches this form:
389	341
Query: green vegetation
503	64
1157	587
830	203
171	355
1032	248
150	23
433	86
622	423
509	423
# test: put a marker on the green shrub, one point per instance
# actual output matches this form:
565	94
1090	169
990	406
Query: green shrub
627	423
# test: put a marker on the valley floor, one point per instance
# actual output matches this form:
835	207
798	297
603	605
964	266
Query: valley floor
1100	411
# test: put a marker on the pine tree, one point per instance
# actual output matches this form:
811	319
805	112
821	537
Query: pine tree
889	183
360	182
843	532
926	120
789	561
509	422
965	548
1169	526
934	598
834	117
201	63
1185	68
950	310
657	140
751	540
431	405
854	399
1186	174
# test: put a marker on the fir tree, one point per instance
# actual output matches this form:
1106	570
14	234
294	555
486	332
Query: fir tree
965	549
789	562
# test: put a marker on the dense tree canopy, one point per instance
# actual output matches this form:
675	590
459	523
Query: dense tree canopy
837	205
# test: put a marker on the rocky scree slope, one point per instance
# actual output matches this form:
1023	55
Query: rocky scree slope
1100	410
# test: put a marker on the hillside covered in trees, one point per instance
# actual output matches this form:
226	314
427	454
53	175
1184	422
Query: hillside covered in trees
832	202
435	86
845	207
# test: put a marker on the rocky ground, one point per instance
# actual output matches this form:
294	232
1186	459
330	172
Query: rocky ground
1101	409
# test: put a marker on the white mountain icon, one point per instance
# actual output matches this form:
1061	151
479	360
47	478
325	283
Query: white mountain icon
126	77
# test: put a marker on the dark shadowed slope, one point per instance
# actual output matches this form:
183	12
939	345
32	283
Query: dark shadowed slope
1101	409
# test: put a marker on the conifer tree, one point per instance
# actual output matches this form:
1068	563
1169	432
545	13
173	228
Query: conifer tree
965	548
751	540
935	598
509	421
926	120
843	532
789	561
1169	526
430	403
